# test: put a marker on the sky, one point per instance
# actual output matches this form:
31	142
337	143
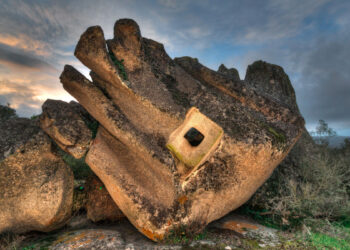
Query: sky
310	39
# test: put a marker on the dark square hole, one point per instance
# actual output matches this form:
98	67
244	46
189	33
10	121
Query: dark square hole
194	137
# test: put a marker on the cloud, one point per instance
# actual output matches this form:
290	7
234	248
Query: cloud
308	38
8	56
26	81
27	96
25	43
325	90
21	96
174	5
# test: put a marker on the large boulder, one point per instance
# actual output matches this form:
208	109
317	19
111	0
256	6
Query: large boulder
36	185
179	145
66	127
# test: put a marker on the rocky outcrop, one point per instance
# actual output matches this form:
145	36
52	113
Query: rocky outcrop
272	80
62	122
179	145
232	73
36	185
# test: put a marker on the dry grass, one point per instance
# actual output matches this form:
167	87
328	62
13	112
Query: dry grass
10	241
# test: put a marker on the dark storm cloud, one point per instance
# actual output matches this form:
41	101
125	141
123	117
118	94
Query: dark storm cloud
325	92
309	38
7	54
176	22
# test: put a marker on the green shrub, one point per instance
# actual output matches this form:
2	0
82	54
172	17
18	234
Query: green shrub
34	117
120	65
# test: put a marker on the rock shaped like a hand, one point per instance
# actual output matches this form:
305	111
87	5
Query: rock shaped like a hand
179	145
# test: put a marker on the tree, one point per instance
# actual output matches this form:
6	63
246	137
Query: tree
6	112
323	132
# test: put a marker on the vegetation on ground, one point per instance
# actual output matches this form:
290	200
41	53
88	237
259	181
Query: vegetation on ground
310	192
183	237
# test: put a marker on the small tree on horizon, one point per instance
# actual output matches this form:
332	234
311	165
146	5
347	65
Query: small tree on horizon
6	112
323	132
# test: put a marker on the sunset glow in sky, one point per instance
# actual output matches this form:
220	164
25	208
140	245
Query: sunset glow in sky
310	39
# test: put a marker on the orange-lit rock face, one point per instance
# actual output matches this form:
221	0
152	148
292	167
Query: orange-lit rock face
160	173
36	185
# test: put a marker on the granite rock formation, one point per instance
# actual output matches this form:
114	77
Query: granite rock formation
232	72
36	185
179	145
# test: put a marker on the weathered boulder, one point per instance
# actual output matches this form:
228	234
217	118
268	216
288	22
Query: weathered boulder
100	206
66	127
179	145
36	185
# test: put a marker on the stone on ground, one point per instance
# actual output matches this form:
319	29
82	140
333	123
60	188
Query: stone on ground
249	229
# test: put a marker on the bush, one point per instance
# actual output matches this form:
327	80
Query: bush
6	112
312	183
